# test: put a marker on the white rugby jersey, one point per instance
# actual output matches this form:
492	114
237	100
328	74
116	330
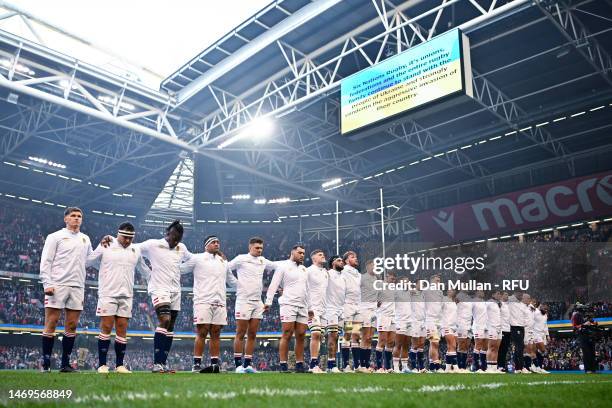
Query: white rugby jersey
386	299
464	309
516	312
479	315
336	290
250	270
418	307
403	305
540	323
352	277
293	278
368	293
493	314
505	316
211	276
116	266
433	306
63	259
165	263
528	313
449	314
317	287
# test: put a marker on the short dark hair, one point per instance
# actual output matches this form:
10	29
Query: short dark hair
347	254
256	240
126	226
176	224
296	246
316	251
70	210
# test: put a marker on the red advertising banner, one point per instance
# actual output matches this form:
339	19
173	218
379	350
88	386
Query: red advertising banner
577	199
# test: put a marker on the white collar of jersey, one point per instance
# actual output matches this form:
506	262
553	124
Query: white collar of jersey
71	232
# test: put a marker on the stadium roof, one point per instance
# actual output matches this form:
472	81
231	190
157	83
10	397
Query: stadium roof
534	63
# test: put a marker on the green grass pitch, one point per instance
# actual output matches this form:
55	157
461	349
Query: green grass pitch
298	390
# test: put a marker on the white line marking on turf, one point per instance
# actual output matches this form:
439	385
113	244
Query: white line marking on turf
289	392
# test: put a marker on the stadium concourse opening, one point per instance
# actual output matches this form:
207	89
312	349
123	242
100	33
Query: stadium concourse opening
310	187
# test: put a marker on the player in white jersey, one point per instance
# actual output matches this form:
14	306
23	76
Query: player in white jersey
164	287
385	325
211	276
494	331
479	329
417	330
367	311
116	265
334	303
403	311
295	309
506	334
540	331
352	318
448	330
317	286
529	320
433	319
62	274
464	323
250	268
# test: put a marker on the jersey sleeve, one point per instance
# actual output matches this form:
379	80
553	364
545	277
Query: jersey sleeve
230	280
277	280
143	269
46	260
188	266
95	258
187	255
234	264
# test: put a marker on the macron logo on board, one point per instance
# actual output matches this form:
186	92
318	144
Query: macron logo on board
578	199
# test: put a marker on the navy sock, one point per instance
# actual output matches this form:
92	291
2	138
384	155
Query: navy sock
346	354
247	361
476	360
539	359
284	366
299	366
120	346
159	339
388	359
527	361
483	361
413	358
464	357
356	356
103	346
420	359
331	363
379	358
47	349
197	360
314	362
67	345
167	346
237	360
214	361
364	361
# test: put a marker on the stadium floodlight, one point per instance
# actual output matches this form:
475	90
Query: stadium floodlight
257	129
332	182
280	200
46	162
241	197
260	201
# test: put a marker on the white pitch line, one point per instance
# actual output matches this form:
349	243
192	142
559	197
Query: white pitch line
292	392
